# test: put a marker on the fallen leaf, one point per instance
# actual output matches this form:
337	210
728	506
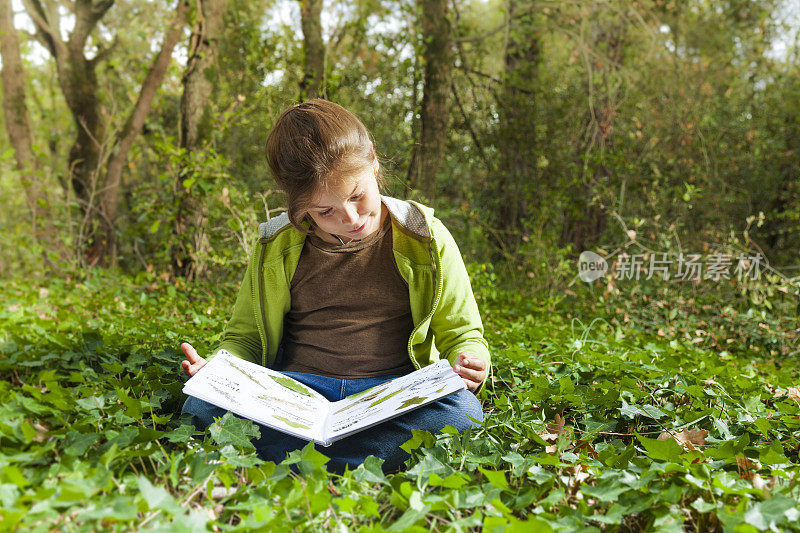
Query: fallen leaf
557	427
794	394
41	432
554	430
745	466
688	438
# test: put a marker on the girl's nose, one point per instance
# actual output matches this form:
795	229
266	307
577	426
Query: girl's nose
350	214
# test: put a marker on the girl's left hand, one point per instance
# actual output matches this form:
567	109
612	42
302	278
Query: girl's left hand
471	369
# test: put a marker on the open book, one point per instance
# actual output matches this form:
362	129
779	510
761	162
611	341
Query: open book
280	402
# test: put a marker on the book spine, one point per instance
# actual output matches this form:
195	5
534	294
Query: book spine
326	426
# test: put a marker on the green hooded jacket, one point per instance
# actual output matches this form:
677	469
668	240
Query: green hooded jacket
443	308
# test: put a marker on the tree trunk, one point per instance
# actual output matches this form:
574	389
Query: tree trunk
98	198
189	227
435	113
312	84
16	112
133	125
585	221
197	85
78	82
517	130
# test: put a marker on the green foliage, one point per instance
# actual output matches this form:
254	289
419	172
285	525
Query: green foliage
576	433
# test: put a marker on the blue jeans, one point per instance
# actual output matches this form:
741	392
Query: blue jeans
382	441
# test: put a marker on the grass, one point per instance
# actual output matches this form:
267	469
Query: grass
593	423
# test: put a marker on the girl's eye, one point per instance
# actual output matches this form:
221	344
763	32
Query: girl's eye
328	212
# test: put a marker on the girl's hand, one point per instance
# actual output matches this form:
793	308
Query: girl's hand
193	362
471	369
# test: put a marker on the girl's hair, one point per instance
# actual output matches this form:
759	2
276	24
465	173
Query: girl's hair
313	144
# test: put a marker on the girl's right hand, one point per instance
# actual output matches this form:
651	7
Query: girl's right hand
193	362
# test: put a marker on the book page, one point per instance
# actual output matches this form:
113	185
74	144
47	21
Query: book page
393	398
260	394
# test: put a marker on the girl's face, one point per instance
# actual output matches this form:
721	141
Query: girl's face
350	208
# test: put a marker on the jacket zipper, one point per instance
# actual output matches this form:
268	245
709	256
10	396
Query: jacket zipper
260	273
438	288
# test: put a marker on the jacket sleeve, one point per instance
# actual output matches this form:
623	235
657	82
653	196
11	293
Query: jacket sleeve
241	337
457	322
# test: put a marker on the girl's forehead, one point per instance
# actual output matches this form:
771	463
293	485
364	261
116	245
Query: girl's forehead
342	188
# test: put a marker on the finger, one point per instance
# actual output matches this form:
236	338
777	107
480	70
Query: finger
471	385
187	367
476	363
190	352
470	361
469	373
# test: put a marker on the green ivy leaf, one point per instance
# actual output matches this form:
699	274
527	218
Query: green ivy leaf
231	429
661	450
497	479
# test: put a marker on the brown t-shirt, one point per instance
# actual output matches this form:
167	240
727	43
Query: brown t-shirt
350	314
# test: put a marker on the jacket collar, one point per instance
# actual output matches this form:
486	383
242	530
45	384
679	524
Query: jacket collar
414	217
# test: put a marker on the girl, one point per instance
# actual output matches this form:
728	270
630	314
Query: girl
349	289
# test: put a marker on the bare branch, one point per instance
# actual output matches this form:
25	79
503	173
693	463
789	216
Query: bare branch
468	122
136	119
87	15
482	36
100	8
103	52
45	33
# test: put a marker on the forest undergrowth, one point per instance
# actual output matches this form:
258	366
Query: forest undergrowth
593	422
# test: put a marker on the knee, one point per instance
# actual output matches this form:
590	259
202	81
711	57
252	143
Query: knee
202	412
466	410
461	410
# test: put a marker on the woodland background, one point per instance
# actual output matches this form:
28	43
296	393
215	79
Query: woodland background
135	130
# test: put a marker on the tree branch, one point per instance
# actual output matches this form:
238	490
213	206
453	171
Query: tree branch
87	15
100	8
135	120
45	34
482	36
468	122
103	52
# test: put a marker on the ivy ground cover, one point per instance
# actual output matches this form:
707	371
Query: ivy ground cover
589	427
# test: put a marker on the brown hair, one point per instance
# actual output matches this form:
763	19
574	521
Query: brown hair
312	144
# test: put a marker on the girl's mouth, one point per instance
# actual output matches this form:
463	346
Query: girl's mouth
358	229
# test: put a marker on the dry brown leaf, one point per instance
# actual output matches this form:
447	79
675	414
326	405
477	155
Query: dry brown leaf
688	438
41	432
745	466
794	394
557	427
554	430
